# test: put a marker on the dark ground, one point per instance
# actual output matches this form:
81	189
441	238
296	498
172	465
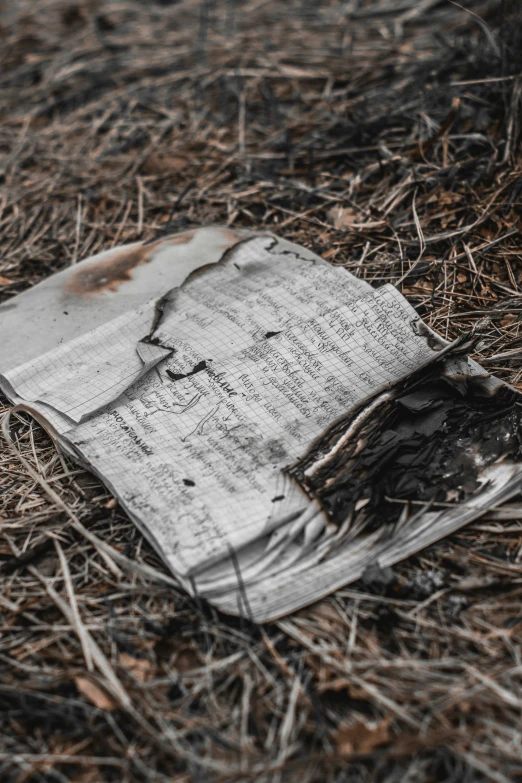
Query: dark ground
385	136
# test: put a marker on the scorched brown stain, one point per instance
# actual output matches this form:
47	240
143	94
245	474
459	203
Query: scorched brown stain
109	274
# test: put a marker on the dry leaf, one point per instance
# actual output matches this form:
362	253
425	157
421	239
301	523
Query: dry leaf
476	580
329	254
95	694
157	164
362	737
422	286
346	218
327	616
342	218
327	683
139	667
5	280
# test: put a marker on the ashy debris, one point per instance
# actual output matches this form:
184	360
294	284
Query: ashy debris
276	427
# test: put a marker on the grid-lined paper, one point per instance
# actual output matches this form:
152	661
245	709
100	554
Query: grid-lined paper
253	360
85	374
267	351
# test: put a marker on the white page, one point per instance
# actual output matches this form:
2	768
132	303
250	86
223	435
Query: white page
200	457
87	373
84	296
254	358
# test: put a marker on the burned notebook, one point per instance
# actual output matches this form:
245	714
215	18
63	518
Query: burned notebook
273	425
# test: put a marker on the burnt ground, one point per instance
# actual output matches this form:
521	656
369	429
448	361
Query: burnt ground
386	137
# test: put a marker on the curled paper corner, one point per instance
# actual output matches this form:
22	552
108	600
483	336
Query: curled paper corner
80	298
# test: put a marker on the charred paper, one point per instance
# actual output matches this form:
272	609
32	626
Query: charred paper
272	424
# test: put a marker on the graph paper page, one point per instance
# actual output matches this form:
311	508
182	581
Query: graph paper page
81	376
263	352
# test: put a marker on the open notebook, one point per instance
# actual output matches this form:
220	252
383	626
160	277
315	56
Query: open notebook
229	388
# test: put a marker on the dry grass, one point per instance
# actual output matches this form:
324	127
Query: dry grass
385	136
